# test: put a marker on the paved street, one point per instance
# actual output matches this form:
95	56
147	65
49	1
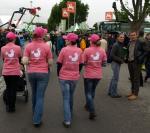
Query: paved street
114	115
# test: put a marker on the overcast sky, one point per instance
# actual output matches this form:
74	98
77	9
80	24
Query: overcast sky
96	12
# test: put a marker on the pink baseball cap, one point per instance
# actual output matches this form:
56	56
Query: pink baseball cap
39	31
94	38
11	35
71	37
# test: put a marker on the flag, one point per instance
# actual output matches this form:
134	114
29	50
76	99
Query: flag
65	13
71	7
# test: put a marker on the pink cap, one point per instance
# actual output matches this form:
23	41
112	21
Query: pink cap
11	35
64	37
94	38
71	37
39	31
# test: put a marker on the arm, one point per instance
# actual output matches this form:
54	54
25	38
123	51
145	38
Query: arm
25	60
114	56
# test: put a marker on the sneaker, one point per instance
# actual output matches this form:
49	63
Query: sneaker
116	96
37	125
66	124
133	97
92	116
130	94
10	110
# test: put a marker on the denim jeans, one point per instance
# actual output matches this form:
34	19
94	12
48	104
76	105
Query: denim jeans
39	82
90	87
68	88
114	81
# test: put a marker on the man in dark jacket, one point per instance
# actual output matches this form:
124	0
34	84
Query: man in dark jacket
135	60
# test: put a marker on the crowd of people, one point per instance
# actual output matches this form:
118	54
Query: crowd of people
74	53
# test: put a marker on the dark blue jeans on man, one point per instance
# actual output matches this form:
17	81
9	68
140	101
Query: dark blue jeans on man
39	82
90	87
68	88
113	86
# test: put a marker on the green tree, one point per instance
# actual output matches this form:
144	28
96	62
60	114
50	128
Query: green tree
136	14
56	14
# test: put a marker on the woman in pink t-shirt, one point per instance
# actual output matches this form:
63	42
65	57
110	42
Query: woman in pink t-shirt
68	63
38	57
94	59
10	54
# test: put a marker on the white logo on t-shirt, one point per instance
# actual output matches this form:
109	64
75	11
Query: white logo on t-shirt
36	53
74	58
11	53
96	56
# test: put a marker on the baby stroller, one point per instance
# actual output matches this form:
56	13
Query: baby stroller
21	90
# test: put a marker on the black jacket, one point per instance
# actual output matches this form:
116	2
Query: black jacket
117	53
139	52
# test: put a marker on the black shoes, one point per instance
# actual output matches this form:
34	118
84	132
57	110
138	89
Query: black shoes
116	96
38	125
10	110
92	116
66	125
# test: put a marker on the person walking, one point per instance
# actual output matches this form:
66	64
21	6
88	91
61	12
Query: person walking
38	58
68	63
11	55
147	62
94	58
117	58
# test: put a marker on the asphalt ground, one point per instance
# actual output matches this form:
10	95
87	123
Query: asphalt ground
114	115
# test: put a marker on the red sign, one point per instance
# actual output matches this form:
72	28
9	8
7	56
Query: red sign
71	7
108	15
33	11
65	13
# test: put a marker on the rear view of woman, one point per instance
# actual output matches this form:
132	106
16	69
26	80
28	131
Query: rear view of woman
38	57
68	64
10	54
94	59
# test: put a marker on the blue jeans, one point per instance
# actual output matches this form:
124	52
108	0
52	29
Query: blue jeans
39	82
68	88
114	81
90	87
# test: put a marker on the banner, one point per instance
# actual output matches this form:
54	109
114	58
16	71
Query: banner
71	7
108	16
65	13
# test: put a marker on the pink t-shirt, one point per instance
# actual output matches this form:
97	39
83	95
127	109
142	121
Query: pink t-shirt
38	53
10	54
70	57
93	59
